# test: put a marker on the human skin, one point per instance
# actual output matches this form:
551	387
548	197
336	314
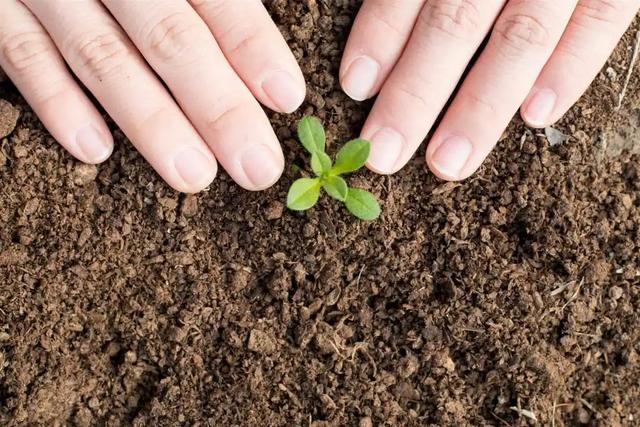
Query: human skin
540	57
182	79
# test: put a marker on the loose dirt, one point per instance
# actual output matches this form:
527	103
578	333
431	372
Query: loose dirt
123	302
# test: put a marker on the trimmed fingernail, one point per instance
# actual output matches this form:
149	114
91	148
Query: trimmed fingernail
95	146
540	107
262	167
195	168
284	91
360	78
451	156
386	148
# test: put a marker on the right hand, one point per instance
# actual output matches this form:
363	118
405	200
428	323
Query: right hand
181	79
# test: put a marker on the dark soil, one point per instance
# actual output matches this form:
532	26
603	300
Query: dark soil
124	302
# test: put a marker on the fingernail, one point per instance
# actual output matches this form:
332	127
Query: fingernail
360	78
262	167
452	156
195	168
540	107
95	146
284	91
386	148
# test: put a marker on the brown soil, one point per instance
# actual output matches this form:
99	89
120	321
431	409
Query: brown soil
124	302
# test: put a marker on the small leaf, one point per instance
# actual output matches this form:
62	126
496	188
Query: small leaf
303	194
352	156
336	187
311	134
362	204
320	162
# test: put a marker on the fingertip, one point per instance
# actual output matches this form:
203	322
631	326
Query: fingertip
261	166
196	170
360	78
94	143
449	160
537	110
387	146
285	92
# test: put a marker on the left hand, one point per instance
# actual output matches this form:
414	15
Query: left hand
541	57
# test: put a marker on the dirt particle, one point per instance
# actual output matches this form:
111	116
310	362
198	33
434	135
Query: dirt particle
8	118
83	174
261	342
365	422
408	366
190	205
274	210
555	137
616	292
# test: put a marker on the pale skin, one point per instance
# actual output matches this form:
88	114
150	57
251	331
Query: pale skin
184	80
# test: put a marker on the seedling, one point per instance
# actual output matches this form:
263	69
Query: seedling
305	192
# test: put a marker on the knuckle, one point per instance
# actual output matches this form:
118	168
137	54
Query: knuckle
457	18
170	37
103	55
481	106
604	11
520	32
219	118
414	94
26	51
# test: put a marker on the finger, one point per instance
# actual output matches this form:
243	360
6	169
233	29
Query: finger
257	51
523	39
379	34
446	37
181	49
595	29
104	59
33	63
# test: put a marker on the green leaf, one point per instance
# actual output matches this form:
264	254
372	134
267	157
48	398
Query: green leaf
320	162
311	134
336	187
303	194
352	156
362	204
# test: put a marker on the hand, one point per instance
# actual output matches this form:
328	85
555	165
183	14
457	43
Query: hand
180	78
541	56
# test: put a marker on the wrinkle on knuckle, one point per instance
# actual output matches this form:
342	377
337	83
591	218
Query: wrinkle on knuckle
456	18
103	55
218	119
170	37
602	11
27	50
246	40
519	33
479	104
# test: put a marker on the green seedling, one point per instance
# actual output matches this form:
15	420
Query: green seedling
305	192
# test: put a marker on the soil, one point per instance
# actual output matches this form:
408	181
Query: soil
123	302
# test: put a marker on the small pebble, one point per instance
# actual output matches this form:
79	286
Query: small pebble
616	292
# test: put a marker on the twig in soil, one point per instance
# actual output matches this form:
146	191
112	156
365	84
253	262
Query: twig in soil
561	288
359	276
634	59
575	294
588	405
553	412
525	413
500	419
